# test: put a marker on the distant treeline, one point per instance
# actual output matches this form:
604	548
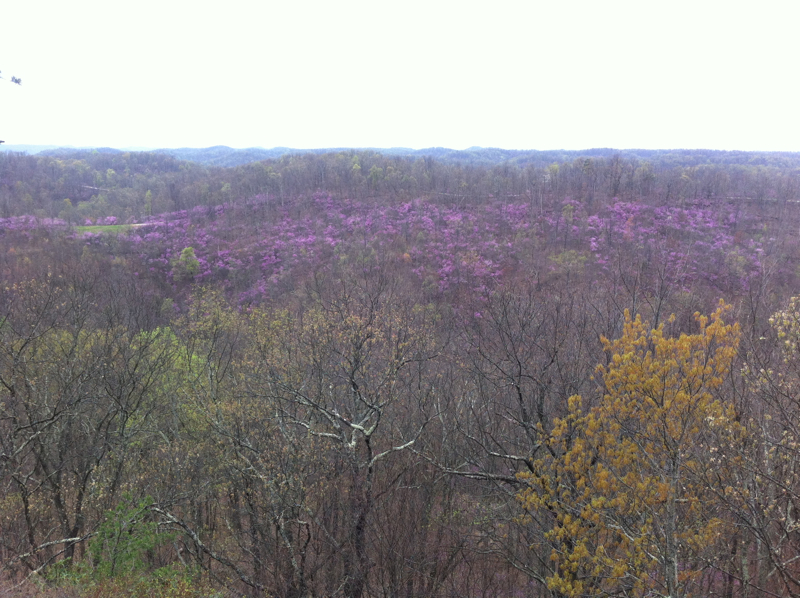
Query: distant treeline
81	185
221	155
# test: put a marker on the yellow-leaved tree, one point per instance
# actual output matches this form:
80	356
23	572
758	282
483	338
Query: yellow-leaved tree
620	488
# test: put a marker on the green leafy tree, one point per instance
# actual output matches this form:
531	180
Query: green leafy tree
123	539
186	267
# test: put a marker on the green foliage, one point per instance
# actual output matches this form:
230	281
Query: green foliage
67	212
119	560
186	266
103	228
119	549
124	538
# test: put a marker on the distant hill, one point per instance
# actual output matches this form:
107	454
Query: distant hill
227	157
30	149
489	156
40	149
222	155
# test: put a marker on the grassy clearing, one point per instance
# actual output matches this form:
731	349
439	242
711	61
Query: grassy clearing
104	228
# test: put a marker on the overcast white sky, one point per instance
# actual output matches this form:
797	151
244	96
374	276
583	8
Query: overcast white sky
341	73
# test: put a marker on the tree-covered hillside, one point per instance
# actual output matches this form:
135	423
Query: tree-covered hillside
358	374
101	183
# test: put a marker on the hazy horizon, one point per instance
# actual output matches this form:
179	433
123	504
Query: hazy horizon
48	146
518	75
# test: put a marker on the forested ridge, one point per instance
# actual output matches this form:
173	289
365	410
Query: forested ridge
360	374
102	183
